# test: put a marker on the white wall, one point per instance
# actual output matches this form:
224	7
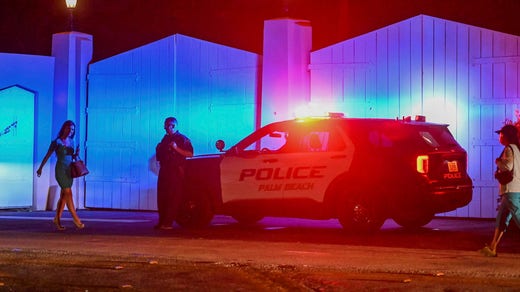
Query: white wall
450	72
35	74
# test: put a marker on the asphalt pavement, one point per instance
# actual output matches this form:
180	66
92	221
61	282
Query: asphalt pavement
441	233
446	246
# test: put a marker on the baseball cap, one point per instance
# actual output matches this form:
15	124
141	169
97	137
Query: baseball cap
508	130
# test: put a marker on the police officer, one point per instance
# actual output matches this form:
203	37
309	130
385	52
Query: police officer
171	154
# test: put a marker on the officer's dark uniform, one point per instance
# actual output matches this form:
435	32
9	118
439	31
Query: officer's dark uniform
171	177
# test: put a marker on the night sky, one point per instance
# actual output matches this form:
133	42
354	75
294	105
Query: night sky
119	25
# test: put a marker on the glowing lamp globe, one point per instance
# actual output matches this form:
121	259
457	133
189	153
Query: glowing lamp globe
71	3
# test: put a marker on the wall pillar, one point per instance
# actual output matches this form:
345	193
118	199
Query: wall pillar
285	75
72	52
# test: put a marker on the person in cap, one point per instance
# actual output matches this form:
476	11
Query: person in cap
509	207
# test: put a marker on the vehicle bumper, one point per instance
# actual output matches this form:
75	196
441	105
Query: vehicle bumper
448	198
436	197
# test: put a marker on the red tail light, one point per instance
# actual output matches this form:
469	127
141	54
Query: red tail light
422	164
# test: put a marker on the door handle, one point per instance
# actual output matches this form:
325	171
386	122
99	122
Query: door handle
271	160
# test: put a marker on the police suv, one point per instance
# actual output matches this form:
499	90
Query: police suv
360	171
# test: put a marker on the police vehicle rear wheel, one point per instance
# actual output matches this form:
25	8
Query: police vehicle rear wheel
195	213
413	220
357	215
247	219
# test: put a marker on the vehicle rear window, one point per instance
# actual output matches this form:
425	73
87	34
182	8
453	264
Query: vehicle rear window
437	136
411	136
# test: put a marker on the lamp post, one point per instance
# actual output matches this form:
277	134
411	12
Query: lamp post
71	4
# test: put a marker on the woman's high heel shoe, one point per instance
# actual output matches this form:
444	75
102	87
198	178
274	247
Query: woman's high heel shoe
79	225
57	223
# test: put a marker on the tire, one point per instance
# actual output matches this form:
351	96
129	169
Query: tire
413	220
247	219
195	213
359	214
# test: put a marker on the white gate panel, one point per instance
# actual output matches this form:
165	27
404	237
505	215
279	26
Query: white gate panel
16	147
113	156
206	86
216	87
453	73
494	98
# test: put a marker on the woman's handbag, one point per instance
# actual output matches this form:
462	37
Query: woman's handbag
78	168
505	176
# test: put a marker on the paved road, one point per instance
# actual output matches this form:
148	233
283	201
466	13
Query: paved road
444	248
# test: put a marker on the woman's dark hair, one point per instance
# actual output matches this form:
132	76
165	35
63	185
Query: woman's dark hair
67	123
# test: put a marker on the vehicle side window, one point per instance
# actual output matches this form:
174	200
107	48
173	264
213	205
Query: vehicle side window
299	139
272	141
379	139
335	142
321	141
315	141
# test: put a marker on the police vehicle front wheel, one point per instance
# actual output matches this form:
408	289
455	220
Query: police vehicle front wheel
358	215
195	213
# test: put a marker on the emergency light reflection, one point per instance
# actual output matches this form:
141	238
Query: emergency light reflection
438	110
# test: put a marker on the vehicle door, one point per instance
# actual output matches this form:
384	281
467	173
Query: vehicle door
255	169
322	154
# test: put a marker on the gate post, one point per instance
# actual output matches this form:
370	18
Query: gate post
285	75
72	52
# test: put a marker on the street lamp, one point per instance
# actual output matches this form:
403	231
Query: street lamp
71	4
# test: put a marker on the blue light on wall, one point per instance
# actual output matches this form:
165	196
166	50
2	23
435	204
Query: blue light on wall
16	147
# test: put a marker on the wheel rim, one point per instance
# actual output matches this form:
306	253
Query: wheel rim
361	214
194	214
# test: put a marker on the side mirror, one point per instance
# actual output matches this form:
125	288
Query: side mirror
220	145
